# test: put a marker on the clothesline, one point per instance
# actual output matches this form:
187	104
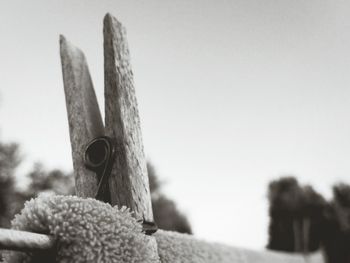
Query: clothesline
24	241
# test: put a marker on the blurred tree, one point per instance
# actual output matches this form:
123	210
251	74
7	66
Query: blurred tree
12	198
55	181
336	237
285	197
9	160
296	216
165	211
313	209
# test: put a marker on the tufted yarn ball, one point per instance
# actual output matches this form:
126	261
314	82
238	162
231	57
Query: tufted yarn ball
86	230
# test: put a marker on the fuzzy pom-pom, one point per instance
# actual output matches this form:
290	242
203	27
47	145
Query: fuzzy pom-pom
86	230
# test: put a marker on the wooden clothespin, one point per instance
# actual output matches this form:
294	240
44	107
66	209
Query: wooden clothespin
109	161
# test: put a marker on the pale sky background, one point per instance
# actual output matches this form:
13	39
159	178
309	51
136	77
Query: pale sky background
231	95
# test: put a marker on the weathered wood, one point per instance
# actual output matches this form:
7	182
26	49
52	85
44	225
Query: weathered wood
84	118
129	181
24	241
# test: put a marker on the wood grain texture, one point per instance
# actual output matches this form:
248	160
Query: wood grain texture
129	180
84	118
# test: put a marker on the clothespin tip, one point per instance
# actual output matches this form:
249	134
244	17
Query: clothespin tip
64	44
110	19
69	50
108	15
63	39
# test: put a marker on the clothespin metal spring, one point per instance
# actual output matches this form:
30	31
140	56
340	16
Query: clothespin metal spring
99	157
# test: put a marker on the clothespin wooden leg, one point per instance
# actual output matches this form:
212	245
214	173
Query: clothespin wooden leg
129	180
84	118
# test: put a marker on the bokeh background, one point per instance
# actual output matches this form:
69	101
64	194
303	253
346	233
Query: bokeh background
231	94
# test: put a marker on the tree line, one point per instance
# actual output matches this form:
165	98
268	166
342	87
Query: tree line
302	220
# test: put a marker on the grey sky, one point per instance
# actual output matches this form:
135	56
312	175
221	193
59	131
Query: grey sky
231	94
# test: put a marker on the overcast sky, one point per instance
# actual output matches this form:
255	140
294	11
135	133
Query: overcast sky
231	95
